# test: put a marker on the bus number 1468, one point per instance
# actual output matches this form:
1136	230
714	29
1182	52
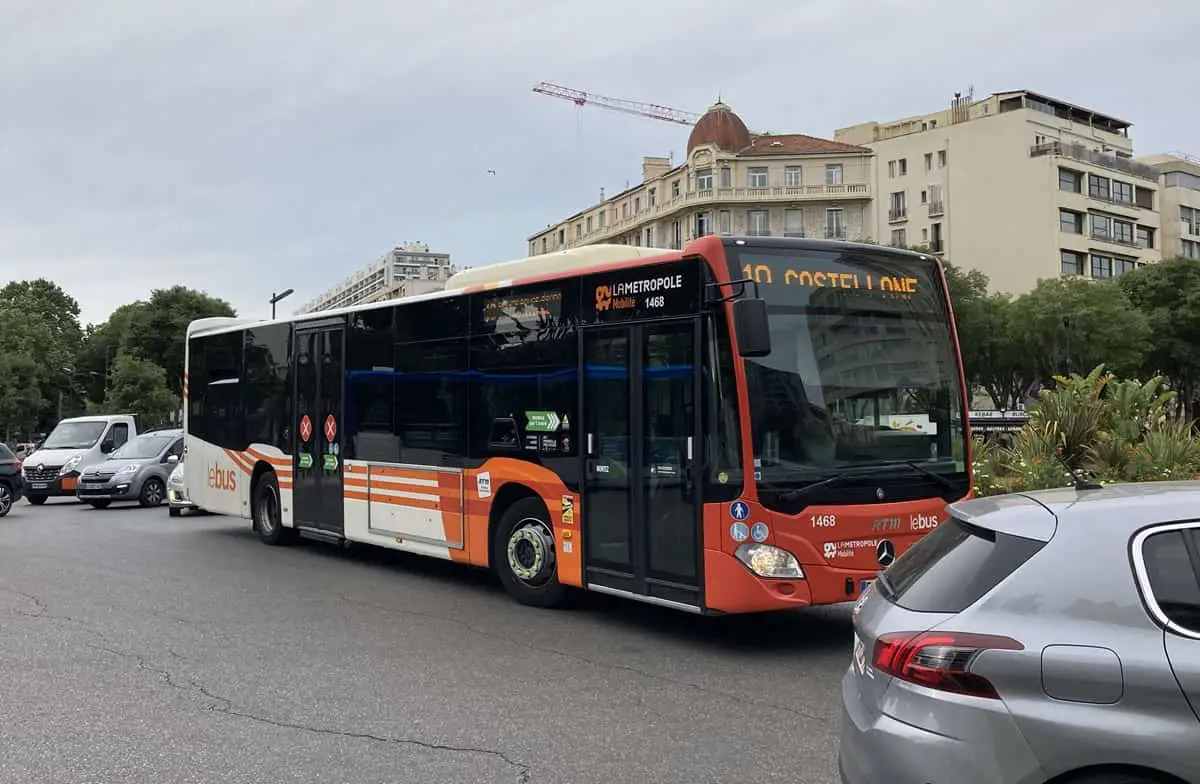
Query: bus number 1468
824	521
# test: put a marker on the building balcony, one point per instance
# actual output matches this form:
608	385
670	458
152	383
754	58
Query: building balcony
897	215
718	198
1082	154
838	233
937	208
1112	239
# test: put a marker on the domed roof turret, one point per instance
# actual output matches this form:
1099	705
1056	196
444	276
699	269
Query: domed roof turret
720	127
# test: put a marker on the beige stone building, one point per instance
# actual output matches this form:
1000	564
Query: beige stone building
1019	185
404	271
1180	188
732	182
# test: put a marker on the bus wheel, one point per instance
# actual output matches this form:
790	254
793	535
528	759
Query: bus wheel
267	511
523	552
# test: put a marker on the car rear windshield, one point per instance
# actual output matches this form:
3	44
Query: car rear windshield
954	566
6	453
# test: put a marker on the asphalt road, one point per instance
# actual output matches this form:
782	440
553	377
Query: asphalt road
139	648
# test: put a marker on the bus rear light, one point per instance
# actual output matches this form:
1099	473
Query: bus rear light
769	561
940	660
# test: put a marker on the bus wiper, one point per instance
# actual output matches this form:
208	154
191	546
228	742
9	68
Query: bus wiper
788	496
942	481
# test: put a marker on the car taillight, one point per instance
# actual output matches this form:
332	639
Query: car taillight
940	660
18	465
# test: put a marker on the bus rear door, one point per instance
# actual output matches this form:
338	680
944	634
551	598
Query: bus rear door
317	491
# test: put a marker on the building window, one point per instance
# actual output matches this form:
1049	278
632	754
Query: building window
649	237
601	218
928	161
833	174
902	167
756	177
562	236
1122	192
725	222
1071	181
835	229
1145	236
726	177
1102	266
1190	218
1123	265
793	223
793	177
675	189
1189	249
758	223
1112	230
578	231
899	238
1144	198
677	235
941	159
1072	263
704	180
543	245
625	210
891	169
899	208
637	204
703	223
1099	187
1070	222
589	224
652	197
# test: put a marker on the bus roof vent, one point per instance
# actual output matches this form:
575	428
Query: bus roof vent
551	263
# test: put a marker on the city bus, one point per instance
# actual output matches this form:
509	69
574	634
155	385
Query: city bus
743	425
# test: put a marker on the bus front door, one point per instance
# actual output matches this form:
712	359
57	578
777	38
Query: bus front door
317	500
641	511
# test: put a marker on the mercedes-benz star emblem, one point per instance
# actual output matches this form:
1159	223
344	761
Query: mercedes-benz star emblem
879	493
885	553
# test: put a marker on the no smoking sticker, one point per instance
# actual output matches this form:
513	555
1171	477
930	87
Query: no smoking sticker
305	428
330	427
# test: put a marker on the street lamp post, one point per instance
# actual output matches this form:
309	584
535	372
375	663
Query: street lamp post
275	298
71	373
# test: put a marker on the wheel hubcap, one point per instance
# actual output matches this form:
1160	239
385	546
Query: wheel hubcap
5	499
154	493
531	552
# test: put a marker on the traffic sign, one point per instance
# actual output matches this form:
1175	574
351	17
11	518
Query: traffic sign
542	421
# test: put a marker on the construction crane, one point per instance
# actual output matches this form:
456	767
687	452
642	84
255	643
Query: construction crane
637	108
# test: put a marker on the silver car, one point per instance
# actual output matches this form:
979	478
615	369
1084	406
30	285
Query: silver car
177	494
1033	637
137	471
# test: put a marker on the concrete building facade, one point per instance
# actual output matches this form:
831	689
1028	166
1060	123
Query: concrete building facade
1180	187
1018	185
406	270
732	182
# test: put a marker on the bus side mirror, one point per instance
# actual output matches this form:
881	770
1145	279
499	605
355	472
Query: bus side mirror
751	327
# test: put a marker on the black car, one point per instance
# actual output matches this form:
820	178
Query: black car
12	485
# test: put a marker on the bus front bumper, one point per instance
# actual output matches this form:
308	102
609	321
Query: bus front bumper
732	588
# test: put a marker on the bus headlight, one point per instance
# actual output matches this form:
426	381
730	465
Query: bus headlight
769	561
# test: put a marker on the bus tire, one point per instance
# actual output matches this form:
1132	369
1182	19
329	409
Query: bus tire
267	510
524	556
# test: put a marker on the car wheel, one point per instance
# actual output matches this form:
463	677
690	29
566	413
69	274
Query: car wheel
36	500
268	511
101	504
153	492
524	557
6	499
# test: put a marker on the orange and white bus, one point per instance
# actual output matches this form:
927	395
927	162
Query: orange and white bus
745	424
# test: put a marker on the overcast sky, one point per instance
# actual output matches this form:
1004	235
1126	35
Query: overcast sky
246	146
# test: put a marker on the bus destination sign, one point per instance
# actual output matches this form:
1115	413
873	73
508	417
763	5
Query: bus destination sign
862	280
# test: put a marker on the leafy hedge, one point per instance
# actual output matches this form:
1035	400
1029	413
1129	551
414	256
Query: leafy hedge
1103	428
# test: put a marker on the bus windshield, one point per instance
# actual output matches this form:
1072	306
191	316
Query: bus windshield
862	371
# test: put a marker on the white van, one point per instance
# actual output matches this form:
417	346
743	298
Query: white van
73	445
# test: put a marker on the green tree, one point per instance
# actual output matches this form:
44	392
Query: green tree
1069	324
21	374
157	330
1168	293
139	386
997	358
51	332
101	344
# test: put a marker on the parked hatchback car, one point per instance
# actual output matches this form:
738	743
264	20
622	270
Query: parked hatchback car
1031	637
137	471
177	493
12	484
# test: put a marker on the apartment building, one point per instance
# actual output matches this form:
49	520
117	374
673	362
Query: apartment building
1018	185
733	181
1179	185
406	270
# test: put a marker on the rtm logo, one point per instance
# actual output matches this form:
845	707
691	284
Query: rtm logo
920	522
219	479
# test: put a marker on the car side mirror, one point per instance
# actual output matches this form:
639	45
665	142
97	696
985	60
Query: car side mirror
751	327
172	459
107	446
